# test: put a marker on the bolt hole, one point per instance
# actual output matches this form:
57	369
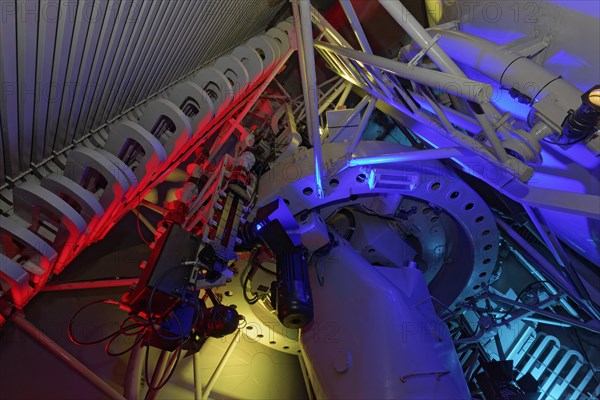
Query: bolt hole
307	191
273	342
433	220
481	275
228	293
476	287
286	347
435	186
479	219
485	233
427	210
249	327
487	261
361	178
487	247
454	195
334	183
260	336
469	206
371	250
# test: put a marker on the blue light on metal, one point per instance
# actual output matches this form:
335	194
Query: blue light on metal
371	180
433	154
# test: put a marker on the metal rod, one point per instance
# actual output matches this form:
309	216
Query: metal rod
361	127
302	19
355	24
415	30
327	101
459	86
326	95
498	341
132	377
291	119
549	271
547	322
491	136
355	112
41	338
99	284
157	375
549	314
221	365
485	125
197	379
570	284
154	207
307	384
144	220
419	155
342	100
424	40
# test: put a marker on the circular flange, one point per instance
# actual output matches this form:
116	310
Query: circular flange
235	71
287	27
280	37
275	44
251	61
293	179
216	85
264	48
194	101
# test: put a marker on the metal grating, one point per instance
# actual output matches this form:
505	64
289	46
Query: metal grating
69	67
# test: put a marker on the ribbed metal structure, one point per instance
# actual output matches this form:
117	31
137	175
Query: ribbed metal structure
69	67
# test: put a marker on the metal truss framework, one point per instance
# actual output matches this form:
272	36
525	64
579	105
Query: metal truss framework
380	79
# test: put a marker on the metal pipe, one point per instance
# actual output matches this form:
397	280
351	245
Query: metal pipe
197	379
355	24
549	271
330	99
39	336
540	277
418	155
326	95
459	86
330	32
99	284
547	322
221	365
491	136
361	127
154	207
134	368
302	19
545	313
457	118
342	100
508	68
304	370
157	375
414	29
356	111
144	220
